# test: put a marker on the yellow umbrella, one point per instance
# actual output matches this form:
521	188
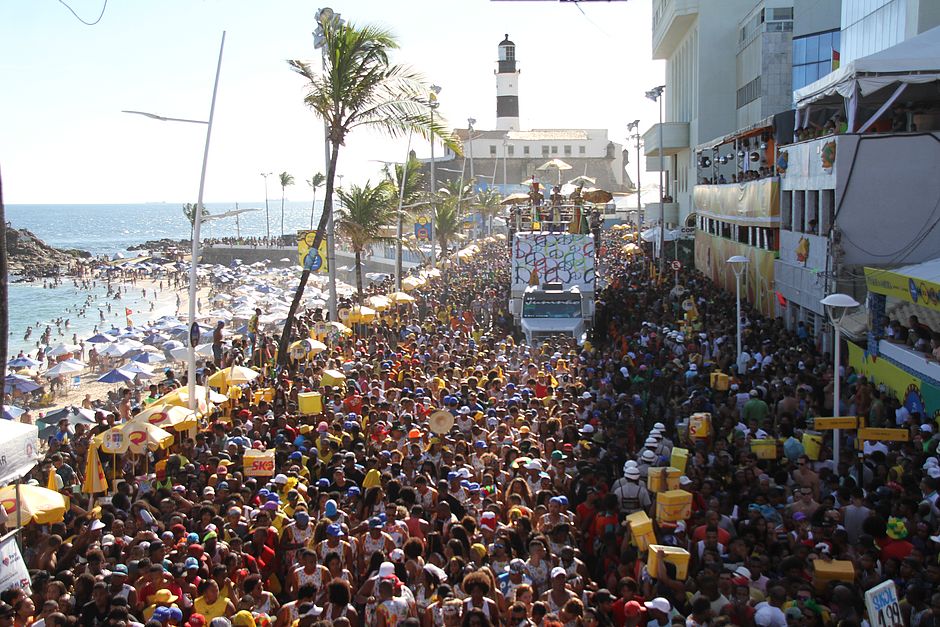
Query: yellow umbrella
180	396
379	303
233	375
95	480
166	416
360	313
36	504
401	297
306	348
412	283
135	437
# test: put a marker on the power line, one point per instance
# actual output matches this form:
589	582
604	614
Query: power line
78	17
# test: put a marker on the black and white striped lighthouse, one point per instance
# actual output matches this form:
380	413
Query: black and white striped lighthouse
507	87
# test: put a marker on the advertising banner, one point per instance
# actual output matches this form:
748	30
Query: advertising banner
13	572
905	288
314	261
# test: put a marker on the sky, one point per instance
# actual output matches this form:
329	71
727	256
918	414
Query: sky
63	138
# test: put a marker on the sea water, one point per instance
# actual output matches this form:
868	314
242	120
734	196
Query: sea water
110	229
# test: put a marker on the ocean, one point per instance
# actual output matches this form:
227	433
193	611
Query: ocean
109	229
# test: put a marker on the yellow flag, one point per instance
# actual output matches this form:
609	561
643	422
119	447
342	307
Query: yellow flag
51	482
95	480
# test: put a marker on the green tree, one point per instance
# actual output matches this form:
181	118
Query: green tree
360	88
364	212
487	203
447	222
315	183
189	210
286	181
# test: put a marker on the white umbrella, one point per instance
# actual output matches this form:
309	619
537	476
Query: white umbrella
554	164
63	368
63	349
138	368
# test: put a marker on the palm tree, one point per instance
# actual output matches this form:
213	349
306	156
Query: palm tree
364	212
286	181
408	191
189	210
359	88
315	183
447	222
487	203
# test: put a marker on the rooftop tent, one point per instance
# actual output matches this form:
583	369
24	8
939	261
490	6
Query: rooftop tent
912	62
19	451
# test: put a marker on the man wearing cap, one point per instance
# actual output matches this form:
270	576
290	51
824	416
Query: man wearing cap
558	593
631	494
118	588
659	612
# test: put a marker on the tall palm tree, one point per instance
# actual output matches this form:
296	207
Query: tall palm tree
189	210
360	88
447	222
286	181
364	211
315	183
487	203
406	181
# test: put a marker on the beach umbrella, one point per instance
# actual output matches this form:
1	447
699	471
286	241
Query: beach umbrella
133	436
117	349
35	505
412	283
167	416
95	480
379	303
360	313
233	375
63	368
63	349
155	338
117	375
583	180
401	297
596	195
15	382
12	412
99	338
24	362
172	344
148	358
75	415
554	164
141	370
515	199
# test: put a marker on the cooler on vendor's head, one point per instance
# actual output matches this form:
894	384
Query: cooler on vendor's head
832	570
673	505
812	444
310	403
719	381
332	378
679	458
662	479
673	555
700	425
641	529
764	449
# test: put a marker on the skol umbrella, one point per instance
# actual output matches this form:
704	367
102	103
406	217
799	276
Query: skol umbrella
167	416
35	505
401	297
133	436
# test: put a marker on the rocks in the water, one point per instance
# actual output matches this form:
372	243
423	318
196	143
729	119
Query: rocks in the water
164	244
29	257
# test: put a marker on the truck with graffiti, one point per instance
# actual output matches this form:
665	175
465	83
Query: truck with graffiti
552	284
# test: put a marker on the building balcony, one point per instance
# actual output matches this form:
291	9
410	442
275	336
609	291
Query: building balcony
671	20
675	139
921	363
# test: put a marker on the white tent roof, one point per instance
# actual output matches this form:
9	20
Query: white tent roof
926	271
913	61
19	450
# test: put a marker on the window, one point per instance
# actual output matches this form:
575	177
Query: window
525	150
511	150
786	210
545	151
554	150
749	92
581	150
814	56
567	150
493	150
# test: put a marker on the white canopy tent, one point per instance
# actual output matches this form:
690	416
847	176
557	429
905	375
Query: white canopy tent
19	450
912	62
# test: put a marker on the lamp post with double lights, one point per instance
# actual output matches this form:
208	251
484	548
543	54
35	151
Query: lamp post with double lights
837	306
634	126
656	95
267	219
432	105
738	264
197	223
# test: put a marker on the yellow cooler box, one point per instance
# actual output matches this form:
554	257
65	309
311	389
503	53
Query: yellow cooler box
310	403
673	555
764	449
641	529
700	425
679	458
332	378
720	381
673	505
833	570
812	444
662	479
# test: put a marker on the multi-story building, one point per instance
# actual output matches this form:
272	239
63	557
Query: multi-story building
764	62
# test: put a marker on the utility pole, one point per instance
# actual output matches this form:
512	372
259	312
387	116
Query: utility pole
635	127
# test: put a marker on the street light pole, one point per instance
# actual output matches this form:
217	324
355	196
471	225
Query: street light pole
197	223
656	95
635	127
267	219
401	201
837	306
432	105
738	264
470	123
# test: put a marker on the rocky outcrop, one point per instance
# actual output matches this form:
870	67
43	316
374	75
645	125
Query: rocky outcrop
162	245
29	257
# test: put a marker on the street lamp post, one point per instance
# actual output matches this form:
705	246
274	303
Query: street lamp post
267	219
197	223
470	123
837	306
656	95
738	264
635	127
433	104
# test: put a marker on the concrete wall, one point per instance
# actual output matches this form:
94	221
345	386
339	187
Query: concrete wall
815	16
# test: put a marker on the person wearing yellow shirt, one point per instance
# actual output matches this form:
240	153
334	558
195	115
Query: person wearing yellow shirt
210	603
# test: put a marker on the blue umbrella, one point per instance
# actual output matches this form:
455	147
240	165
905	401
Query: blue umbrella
11	412
20	384
148	358
24	362
116	376
100	338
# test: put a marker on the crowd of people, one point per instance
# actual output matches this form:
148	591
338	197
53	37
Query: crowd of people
459	477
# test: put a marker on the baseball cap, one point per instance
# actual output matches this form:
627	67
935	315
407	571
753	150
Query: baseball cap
660	604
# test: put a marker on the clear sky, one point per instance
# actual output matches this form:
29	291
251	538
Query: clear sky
63	138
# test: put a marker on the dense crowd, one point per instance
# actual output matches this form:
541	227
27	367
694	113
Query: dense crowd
458	477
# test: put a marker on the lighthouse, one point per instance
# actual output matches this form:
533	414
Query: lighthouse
507	87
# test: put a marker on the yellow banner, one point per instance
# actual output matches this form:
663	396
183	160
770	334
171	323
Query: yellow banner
887	435
258	463
314	261
757	282
755	203
823	424
901	287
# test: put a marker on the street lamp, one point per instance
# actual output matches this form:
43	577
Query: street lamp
837	306
267	218
470	123
432	105
656	95
327	18
738	264
634	126
197	223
